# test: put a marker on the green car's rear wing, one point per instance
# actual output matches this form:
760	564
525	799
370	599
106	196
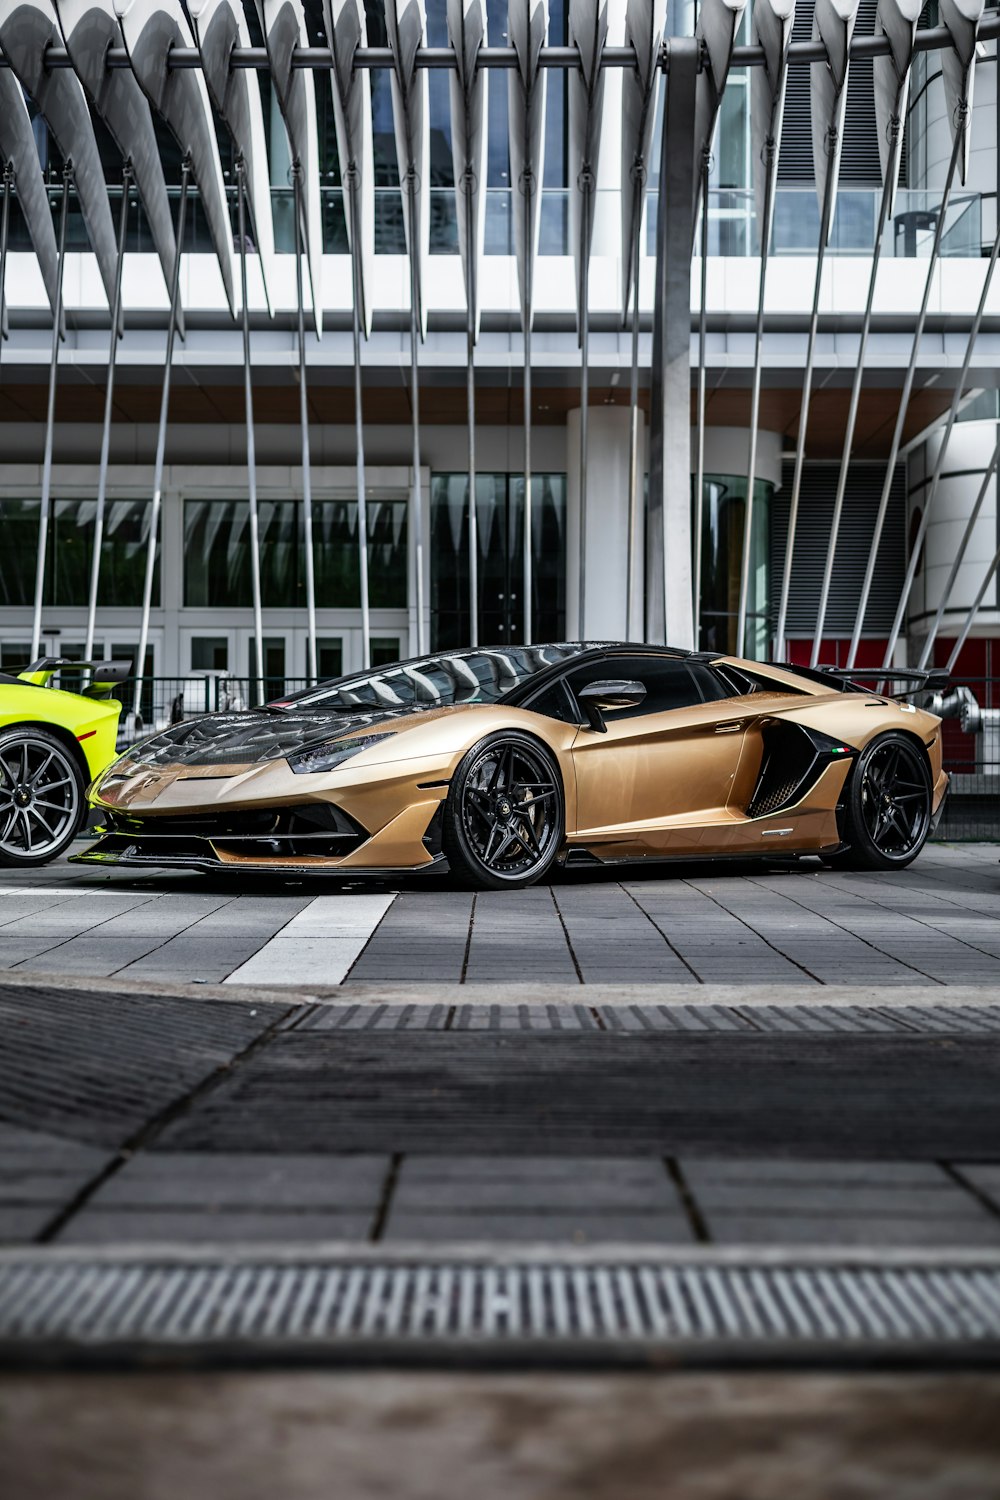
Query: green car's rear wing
104	675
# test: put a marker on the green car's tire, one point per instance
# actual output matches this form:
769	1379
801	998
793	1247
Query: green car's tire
42	796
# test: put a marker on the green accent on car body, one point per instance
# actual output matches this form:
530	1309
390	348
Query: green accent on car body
92	723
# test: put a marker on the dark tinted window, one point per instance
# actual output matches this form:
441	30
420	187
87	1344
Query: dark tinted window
711	684
555	703
668	681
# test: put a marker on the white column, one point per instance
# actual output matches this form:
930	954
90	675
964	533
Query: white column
969	451
607	523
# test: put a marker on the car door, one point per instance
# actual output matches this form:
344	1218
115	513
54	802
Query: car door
661	776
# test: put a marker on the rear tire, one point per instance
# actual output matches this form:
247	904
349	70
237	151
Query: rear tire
887	813
504	818
41	797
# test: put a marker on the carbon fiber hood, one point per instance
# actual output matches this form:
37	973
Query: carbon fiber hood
249	737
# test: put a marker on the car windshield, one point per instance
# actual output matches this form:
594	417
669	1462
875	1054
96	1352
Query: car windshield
482	676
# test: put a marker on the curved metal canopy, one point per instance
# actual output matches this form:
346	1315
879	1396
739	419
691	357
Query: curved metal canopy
772	31
897	21
179	95
958	67
27	28
588	33
89	28
18	147
284	25
528	30
833	24
467	34
406	26
644	20
718	23
219	26
346	31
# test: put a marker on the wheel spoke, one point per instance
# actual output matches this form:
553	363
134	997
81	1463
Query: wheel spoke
526	834
49	758
56	806
11	823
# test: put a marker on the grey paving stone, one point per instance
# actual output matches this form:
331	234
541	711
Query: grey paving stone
95	1226
869	1229
540	1229
226	1179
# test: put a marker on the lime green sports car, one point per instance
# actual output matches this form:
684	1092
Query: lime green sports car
52	745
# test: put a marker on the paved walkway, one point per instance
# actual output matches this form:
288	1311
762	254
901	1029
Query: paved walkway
132	1115
937	923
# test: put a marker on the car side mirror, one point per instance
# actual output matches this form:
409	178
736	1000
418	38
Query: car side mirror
600	698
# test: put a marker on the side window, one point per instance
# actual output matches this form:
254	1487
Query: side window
554	702
668	682
713	686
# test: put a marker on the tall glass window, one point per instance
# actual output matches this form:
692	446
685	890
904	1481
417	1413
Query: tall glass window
217	554
723	519
500	533
70	552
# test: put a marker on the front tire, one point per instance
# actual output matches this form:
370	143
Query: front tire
41	797
504	818
888	806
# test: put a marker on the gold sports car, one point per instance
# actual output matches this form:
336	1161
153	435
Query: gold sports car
507	760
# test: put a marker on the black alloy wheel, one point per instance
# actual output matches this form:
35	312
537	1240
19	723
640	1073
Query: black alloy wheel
888	811
41	797
504	818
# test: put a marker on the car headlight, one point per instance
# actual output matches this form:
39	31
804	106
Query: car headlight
327	757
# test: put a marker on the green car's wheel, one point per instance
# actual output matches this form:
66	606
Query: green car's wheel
41	797
504	818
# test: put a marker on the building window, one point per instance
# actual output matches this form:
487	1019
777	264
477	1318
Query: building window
69	553
210	653
500	534
217	571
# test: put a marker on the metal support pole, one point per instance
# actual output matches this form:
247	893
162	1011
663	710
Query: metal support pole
904	401
109	397
631	577
527	584
8	183
970	526
50	419
800	444
587	185
699	481
852	412
918	541
258	621
668	598
307	515
161	443
416	503
771	164
354	177
470	397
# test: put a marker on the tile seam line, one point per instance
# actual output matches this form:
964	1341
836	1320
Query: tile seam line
393	898
151	1128
950	937
566	938
765	940
73	936
657	928
754	880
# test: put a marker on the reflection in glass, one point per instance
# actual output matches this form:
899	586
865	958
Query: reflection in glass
70	545
500	527
723	518
217	554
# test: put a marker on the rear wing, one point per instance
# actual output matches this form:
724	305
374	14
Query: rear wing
104	675
869	679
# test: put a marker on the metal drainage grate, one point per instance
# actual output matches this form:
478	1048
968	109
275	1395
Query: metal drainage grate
315	1308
